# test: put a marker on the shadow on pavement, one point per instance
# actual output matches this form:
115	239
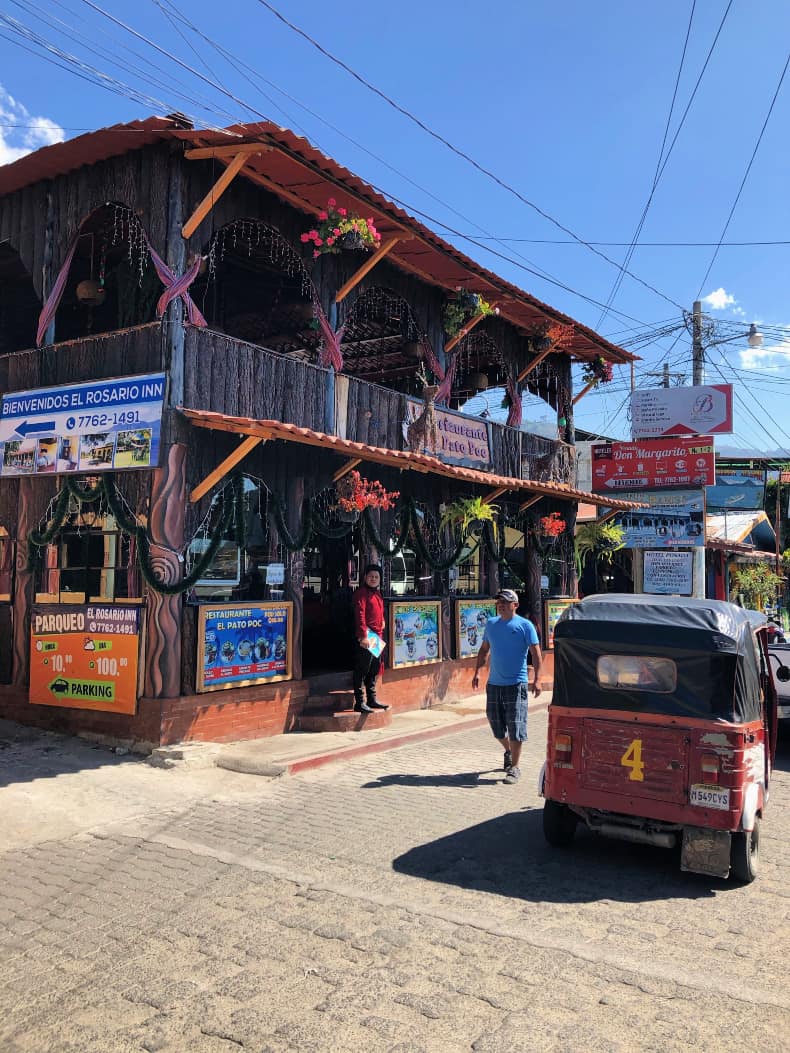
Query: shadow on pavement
466	780
30	753
509	856
782	760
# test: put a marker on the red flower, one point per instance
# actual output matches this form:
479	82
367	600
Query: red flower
323	215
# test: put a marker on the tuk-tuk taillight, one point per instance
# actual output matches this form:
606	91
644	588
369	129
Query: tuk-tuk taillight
563	747
710	767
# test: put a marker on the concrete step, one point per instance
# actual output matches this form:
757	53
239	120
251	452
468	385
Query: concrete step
330	701
344	720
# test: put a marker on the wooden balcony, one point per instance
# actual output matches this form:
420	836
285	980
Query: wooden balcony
229	376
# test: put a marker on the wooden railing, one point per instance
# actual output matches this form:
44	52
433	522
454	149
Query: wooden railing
231	376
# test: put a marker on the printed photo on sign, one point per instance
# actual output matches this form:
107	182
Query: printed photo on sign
414	633
242	644
674	518
96	451
471	618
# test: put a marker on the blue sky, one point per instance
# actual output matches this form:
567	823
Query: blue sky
567	102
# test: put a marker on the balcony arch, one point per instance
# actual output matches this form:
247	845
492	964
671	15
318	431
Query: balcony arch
19	303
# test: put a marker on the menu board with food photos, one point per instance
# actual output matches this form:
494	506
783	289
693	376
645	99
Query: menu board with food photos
471	617
415	636
242	643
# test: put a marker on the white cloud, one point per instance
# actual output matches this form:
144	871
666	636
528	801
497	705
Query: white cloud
739	312
32	133
719	299
770	359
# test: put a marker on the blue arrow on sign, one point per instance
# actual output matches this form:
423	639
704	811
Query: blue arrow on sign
25	428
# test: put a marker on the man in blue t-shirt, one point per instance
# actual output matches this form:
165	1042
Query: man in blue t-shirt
508	638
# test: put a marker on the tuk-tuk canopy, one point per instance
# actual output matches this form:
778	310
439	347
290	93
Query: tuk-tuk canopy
710	643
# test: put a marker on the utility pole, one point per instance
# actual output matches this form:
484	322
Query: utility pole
697	351
698	378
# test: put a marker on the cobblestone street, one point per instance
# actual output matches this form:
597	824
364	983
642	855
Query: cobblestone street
402	902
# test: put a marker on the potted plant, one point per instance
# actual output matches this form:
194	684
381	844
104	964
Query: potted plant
462	309
597	371
552	525
600	540
338	229
468	513
755	583
354	494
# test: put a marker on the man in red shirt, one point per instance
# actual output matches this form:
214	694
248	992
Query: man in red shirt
368	615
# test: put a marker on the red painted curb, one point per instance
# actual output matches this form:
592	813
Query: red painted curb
320	759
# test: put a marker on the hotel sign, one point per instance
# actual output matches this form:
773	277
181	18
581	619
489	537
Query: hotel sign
98	426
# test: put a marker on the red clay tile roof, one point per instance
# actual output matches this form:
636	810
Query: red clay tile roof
306	177
402	459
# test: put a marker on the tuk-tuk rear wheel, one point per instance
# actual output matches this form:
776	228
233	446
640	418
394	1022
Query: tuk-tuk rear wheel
559	823
745	853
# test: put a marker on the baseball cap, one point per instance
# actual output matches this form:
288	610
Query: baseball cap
507	594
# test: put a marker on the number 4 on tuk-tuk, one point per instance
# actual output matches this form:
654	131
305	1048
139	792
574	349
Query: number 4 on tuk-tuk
662	728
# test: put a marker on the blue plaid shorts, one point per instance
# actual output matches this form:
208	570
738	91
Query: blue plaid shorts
506	709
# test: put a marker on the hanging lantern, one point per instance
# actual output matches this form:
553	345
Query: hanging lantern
478	381
91	293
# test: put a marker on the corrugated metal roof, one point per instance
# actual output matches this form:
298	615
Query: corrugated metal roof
402	459
305	177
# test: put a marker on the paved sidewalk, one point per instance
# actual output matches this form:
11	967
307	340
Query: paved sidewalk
301	751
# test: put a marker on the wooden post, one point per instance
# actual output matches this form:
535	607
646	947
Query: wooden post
175	257
163	614
533	564
33	499
294	578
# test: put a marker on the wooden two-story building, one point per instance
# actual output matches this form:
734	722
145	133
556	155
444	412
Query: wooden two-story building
210	343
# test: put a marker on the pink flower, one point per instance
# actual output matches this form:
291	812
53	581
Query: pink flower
318	241
323	215
331	202
336	232
305	237
316	254
312	234
370	222
342	212
330	241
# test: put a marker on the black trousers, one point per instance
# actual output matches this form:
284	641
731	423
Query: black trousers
366	669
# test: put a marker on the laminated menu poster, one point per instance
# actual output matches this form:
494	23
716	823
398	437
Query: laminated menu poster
471	617
240	644
414	633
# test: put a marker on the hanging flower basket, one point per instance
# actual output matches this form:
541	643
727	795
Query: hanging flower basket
552	525
339	229
598	371
461	310
354	494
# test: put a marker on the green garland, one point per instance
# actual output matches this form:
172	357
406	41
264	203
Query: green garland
302	540
387	549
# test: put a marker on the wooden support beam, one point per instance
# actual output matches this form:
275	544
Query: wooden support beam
349	466
464	332
608	516
583	392
366	267
532	501
494	495
533	364
201	153
222	469
214	194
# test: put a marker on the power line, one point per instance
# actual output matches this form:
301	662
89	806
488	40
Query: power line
745	175
454	149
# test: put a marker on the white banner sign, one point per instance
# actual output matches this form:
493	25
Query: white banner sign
703	410
669	573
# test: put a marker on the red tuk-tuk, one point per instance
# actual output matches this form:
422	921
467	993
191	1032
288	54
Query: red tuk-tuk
662	728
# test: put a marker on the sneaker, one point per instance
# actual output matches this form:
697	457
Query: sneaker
507	763
513	775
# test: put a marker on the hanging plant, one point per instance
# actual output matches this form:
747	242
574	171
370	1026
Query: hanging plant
600	540
552	525
597	371
461	310
339	229
354	494
467	511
